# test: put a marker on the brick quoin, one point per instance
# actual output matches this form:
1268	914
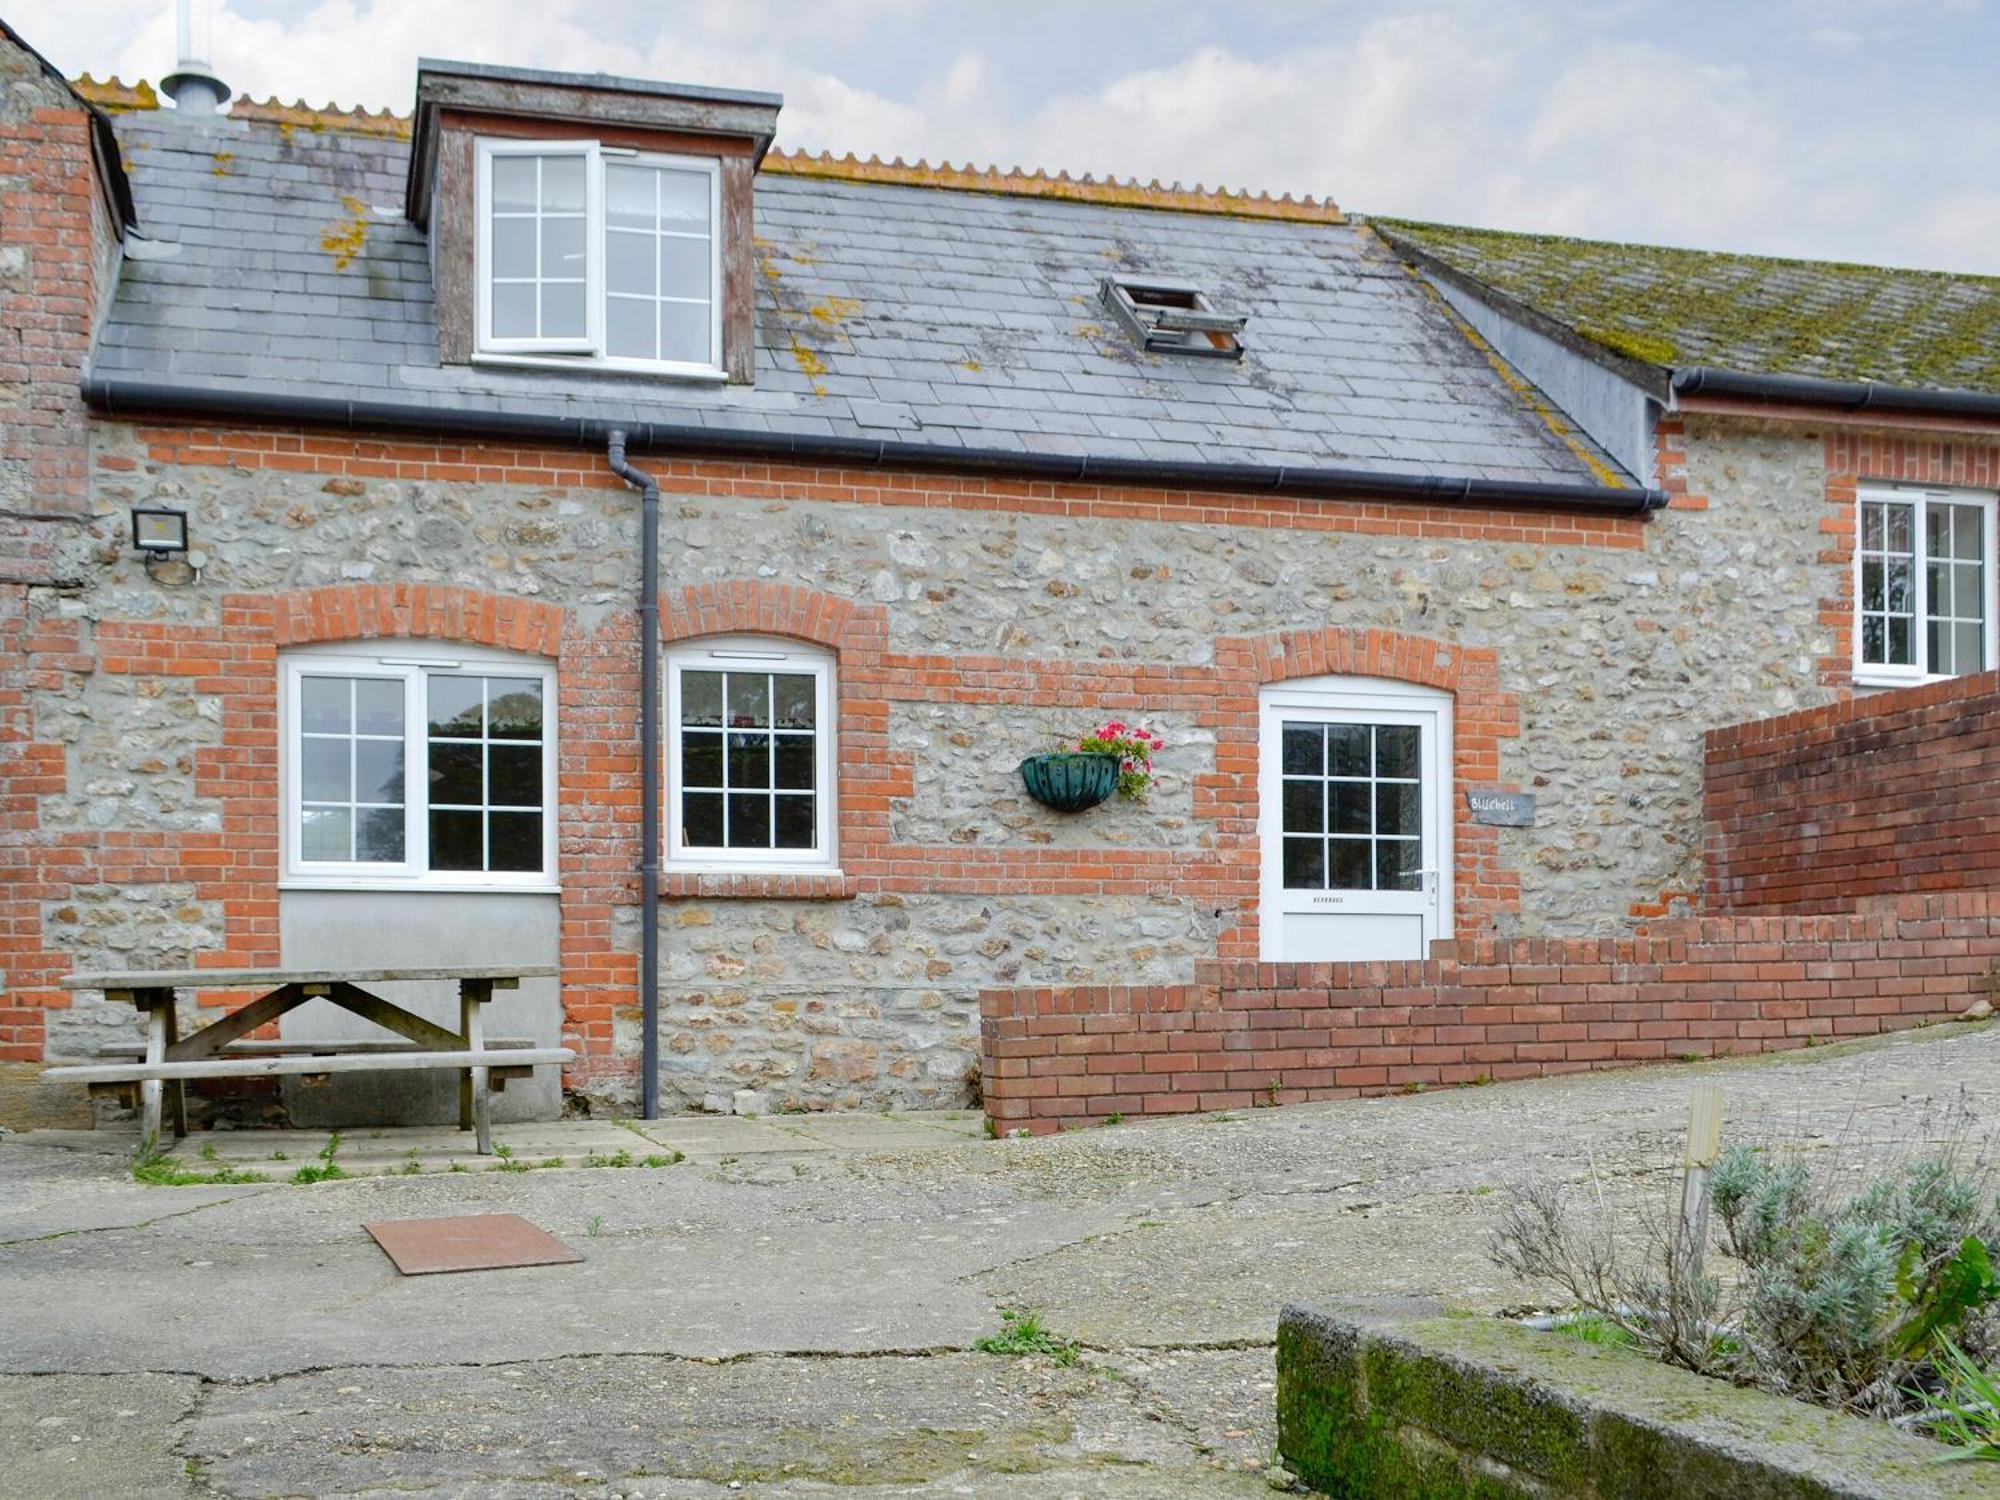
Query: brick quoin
1247	1034
1879	795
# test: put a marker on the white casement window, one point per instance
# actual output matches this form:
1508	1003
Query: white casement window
750	756
1923	586
599	255
411	764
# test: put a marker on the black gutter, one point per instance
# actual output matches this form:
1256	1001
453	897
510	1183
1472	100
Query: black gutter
1841	395
649	768
114	395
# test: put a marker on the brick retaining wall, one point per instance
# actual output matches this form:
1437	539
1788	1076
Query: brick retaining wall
1887	794
1248	1034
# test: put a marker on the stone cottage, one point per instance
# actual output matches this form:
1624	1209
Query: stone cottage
340	448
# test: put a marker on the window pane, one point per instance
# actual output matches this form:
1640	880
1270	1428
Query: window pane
1353	809
326	704
1873	643
562	184
794	700
701	698
684	331
684	199
749	700
684	267
1937	530
378	835
514	184
513	310
1900	578
794	761
1938	579
562	247
1871	584
630	328
456	841
795	829
1347	749
1968	593
1967	540
629	264
701	820
323	771
1970	653
1899	641
701	760
628	197
514	775
457	706
749	821
1302	750
1871	527
515	841
325	833
1396	750
1396	863
378	772
1896	527
1305	807
1399	808
562	311
513	247
1305	864
749	760
1937	642
378	705
1351	865
455	774
514	708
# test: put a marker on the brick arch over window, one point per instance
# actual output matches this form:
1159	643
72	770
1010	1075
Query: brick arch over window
1482	716
416	611
867	775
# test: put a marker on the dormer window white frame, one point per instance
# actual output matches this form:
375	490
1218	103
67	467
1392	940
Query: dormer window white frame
574	270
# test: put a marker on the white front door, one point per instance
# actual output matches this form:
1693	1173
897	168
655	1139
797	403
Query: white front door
1356	837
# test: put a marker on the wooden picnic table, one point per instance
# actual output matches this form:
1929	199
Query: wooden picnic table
218	1051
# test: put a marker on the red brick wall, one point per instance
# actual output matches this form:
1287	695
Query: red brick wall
1252	1034
56	237
1880	795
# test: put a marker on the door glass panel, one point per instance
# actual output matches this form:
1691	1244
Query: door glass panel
1361	785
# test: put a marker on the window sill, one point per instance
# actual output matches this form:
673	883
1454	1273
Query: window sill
417	888
1880	680
581	364
818	884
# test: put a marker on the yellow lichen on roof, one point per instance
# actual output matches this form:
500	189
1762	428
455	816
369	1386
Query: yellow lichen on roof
301	116
115	94
1039	184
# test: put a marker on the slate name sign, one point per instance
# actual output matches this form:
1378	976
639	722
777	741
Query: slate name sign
1502	809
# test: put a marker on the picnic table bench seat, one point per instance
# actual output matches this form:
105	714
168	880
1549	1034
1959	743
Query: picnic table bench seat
161	1066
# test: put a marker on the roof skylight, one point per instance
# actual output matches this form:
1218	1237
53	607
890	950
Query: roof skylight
1174	317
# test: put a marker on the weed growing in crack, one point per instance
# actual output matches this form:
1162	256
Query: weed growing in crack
1023	1333
325	1168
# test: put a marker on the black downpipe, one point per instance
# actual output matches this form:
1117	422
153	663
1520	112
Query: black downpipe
649	766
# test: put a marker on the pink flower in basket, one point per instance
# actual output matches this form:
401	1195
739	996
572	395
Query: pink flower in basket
1134	745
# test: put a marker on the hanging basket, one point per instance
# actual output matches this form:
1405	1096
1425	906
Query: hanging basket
1072	781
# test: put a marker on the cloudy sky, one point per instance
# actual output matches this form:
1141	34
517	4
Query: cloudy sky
1841	129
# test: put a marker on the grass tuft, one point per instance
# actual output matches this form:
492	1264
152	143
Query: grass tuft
1023	1333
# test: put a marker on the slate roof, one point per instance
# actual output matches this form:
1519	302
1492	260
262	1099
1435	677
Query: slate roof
1755	315
884	312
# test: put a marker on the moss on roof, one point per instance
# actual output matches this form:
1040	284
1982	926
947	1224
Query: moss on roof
1750	313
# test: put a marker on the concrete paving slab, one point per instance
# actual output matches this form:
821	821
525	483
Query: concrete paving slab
89	1437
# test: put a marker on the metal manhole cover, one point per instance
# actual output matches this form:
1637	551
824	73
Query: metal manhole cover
471	1242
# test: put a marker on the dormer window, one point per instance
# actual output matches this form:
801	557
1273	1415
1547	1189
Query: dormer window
602	253
1173	317
582	222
